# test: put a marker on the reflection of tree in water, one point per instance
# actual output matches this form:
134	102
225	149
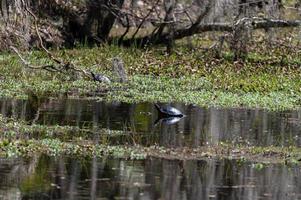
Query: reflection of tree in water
45	177
22	109
169	135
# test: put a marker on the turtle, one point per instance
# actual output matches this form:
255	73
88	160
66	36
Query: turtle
100	78
168	111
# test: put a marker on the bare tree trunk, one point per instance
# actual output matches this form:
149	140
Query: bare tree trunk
4	9
241	37
169	7
108	21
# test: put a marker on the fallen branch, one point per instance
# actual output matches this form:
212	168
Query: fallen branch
50	68
257	23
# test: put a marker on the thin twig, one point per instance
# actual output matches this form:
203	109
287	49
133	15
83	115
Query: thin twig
126	31
49	68
144	18
64	65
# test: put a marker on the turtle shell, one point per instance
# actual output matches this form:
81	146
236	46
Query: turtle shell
169	111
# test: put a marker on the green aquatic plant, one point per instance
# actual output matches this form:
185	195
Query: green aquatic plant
68	140
268	79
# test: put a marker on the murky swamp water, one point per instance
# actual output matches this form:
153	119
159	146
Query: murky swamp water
43	177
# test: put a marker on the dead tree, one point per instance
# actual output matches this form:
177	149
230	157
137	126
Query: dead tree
169	19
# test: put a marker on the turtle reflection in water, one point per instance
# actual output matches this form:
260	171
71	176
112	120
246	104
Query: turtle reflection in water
168	115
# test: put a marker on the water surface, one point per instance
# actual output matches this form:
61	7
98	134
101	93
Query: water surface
200	126
43	177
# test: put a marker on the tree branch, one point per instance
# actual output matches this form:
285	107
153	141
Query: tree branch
49	68
257	23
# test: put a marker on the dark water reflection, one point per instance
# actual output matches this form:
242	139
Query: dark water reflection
200	126
43	177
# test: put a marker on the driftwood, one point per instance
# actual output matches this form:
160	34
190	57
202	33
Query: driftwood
119	70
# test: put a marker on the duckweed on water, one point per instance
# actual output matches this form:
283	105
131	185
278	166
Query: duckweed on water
55	147
17	140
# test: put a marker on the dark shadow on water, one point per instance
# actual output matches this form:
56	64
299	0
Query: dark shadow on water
200	126
43	177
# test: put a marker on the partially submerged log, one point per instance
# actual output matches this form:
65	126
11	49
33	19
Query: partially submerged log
119	70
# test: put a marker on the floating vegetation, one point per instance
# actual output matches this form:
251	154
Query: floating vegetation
55	147
16	140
